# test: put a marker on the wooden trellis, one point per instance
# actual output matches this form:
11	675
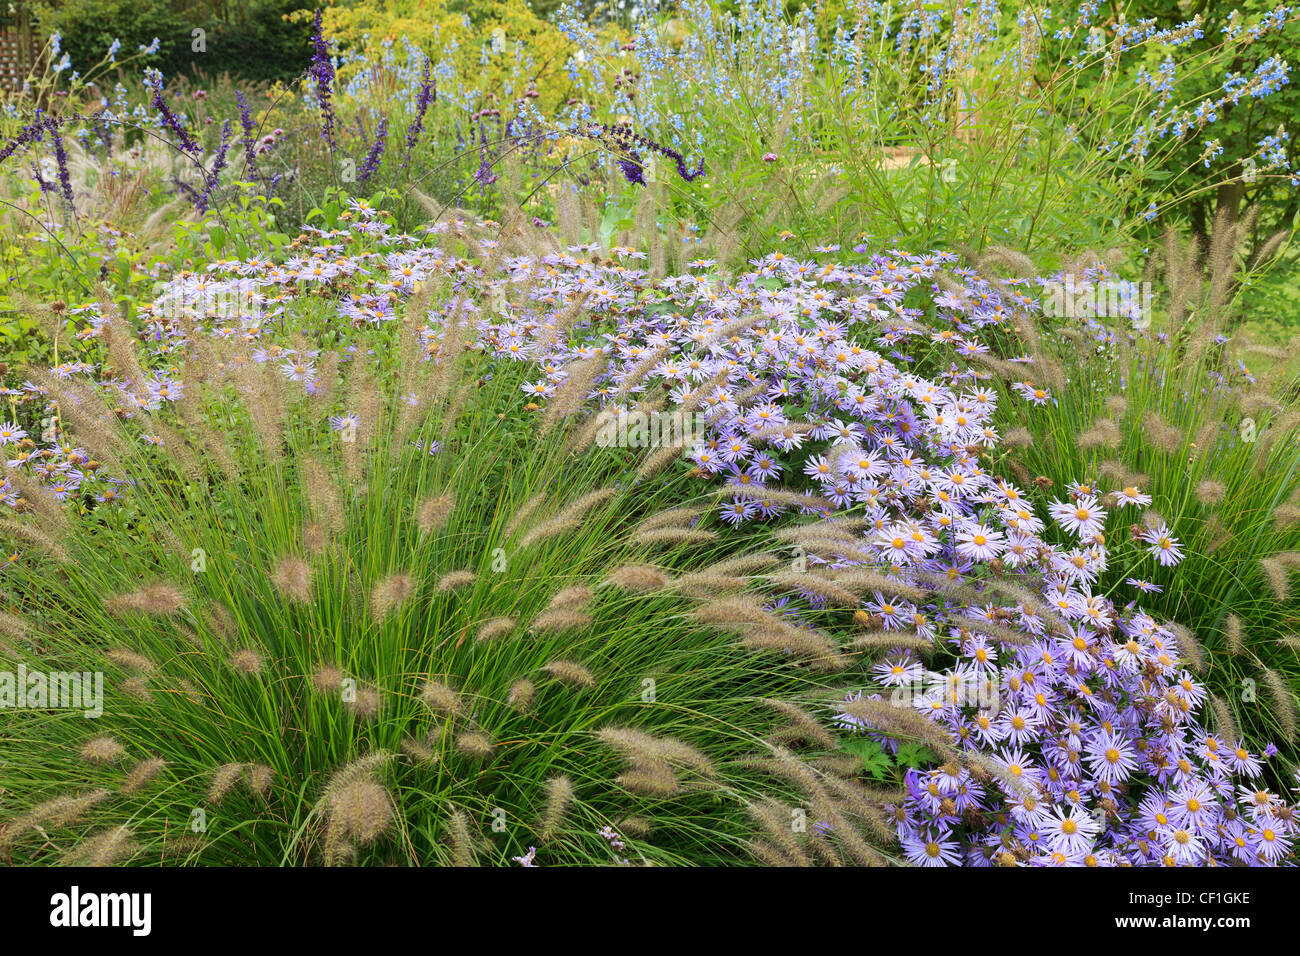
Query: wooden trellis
17	51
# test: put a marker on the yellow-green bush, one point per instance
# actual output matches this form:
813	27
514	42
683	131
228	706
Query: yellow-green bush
460	34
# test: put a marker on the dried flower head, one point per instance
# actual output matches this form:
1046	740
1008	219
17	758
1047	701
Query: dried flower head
474	745
571	673
292	578
521	694
495	628
156	599
247	661
389	594
102	750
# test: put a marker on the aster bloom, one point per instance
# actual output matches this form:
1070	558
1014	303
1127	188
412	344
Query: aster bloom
527	858
979	543
345	422
738	510
163	389
930	849
1070	831
861	464
10	434
1082	517
1111	757
1132	496
1242	761
1032	393
298	369
1163	545
1146	587
1182	846
898	671
1271	844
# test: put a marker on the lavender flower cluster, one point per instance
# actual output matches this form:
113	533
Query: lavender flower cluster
1097	755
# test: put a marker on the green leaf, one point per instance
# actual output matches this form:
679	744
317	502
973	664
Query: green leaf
874	759
914	755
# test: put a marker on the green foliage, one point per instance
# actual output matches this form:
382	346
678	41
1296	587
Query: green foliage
252	38
1252	178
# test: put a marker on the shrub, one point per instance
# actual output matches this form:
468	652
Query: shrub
252	39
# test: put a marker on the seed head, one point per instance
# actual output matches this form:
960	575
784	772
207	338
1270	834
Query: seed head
327	679
559	795
102	750
365	703
496	627
637	577
570	672
433	513
292	579
259	778
389	594
223	781
521	695
474	745
130	660
362	810
107	848
441	699
142	774
455	579
247	661
156	599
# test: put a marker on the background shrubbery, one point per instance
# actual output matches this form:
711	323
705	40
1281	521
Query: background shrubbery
252	39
